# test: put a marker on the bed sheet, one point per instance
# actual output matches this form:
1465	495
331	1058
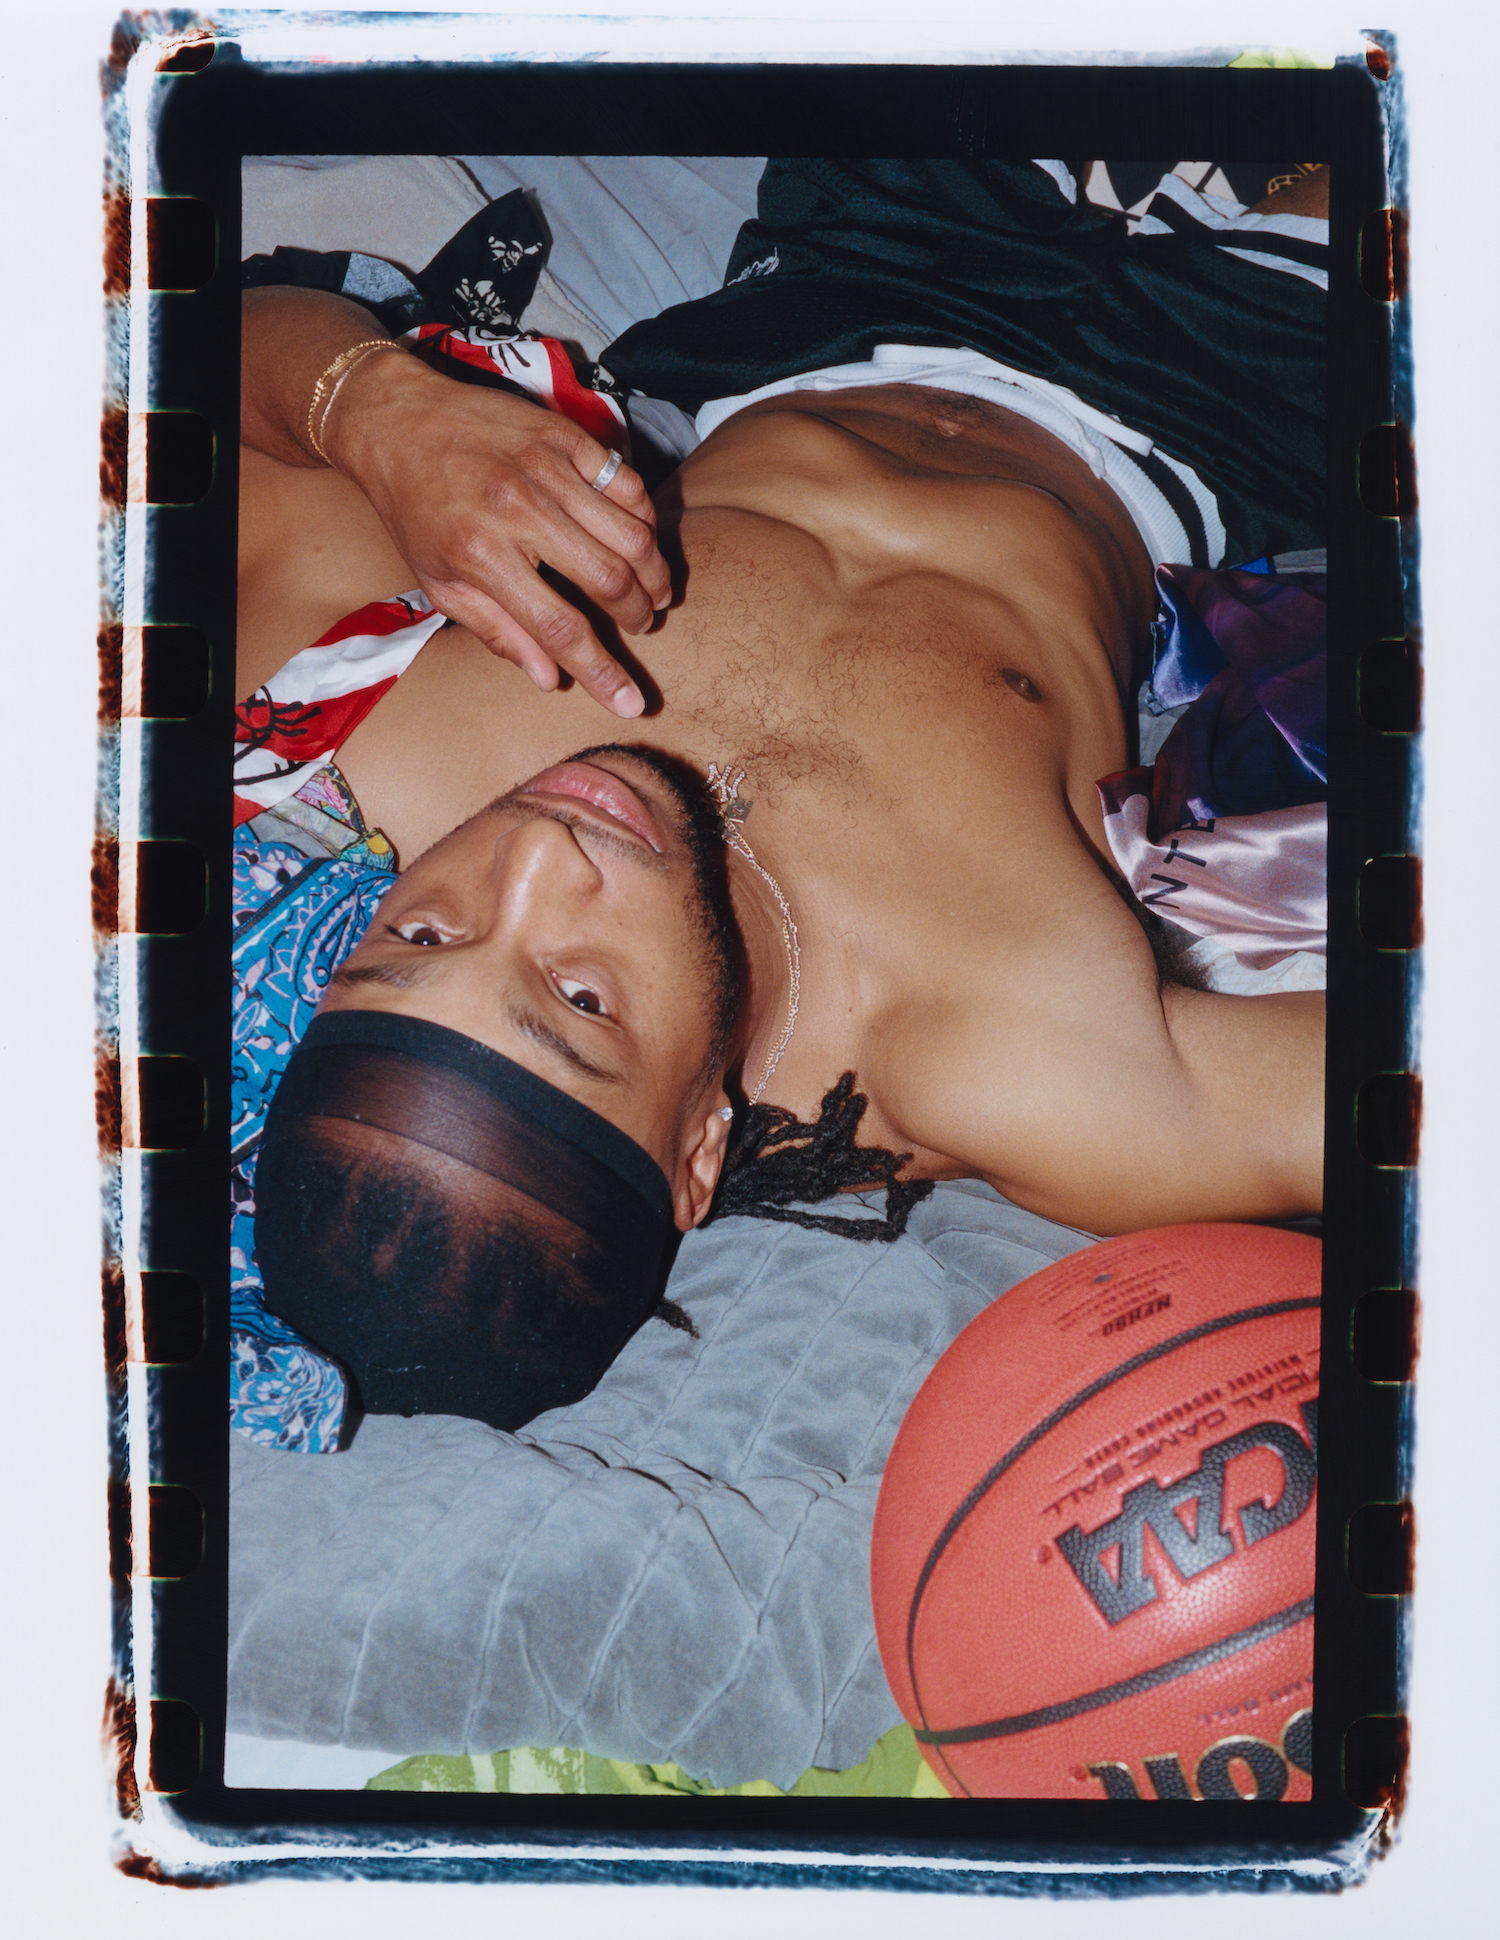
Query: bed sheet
630	234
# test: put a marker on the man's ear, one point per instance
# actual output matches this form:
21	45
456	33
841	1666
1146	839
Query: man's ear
705	1141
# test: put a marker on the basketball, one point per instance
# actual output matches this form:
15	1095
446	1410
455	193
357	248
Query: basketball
1093	1553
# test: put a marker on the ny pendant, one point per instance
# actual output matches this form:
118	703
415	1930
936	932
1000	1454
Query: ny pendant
726	790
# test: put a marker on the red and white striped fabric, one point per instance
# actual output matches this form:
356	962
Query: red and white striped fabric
287	729
539	365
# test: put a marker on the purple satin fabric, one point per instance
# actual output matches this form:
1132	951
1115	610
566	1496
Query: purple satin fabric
1227	834
1248	650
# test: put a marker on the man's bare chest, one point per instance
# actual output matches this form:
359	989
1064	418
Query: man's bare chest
917	700
835	692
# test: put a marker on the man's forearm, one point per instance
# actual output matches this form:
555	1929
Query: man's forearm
289	338
476	487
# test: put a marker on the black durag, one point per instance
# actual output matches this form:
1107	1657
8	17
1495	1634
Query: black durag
461	1235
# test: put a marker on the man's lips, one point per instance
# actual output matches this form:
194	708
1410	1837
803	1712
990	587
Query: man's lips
581	781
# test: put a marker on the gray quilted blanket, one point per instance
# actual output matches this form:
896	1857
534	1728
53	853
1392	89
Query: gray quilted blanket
676	1568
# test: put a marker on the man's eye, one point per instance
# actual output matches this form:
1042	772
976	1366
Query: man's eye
418	933
581	997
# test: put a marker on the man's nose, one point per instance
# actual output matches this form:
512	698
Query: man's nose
535	866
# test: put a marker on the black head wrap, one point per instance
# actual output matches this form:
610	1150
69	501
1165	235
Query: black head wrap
461	1235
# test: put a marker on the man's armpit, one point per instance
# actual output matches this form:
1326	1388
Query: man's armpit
1170	946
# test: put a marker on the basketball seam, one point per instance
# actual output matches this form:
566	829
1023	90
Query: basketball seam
986	1482
1128	1687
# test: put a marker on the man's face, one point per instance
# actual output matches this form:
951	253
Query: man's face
573	926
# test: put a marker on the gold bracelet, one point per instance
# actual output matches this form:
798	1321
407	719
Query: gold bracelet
349	370
339	369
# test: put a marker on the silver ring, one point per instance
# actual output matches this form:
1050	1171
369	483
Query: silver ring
607	471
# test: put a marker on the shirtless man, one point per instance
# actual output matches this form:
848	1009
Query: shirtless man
909	620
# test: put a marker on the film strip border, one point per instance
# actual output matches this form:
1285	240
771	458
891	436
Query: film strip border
160	900
1366	1564
149	886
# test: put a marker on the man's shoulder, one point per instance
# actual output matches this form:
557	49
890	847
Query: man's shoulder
1091	1093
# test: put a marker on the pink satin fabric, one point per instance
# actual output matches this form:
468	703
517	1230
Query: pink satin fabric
1258	881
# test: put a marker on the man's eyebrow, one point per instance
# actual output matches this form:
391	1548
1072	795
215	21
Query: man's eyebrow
398	976
542	1034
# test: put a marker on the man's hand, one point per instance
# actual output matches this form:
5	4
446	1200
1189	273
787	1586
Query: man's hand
476	488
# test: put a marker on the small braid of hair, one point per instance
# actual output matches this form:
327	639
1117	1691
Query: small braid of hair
775	1160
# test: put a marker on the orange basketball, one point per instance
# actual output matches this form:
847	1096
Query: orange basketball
1094	1546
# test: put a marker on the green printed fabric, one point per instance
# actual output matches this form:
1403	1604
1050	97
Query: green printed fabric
1281	57
894	1769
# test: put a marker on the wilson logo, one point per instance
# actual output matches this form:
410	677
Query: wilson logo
1132	1314
1190	1550
1234	1768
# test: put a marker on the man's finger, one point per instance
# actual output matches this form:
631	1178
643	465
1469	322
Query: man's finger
597	570
650	568
590	459
625	493
497	559
500	568
563	633
623	533
542	635
627	489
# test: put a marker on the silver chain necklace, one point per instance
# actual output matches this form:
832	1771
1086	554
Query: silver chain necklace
732	812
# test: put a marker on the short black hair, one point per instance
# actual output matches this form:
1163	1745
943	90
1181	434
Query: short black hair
431	1304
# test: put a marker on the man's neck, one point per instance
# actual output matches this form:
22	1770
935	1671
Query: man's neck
768	995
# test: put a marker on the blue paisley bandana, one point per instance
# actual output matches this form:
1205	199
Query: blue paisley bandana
308	877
